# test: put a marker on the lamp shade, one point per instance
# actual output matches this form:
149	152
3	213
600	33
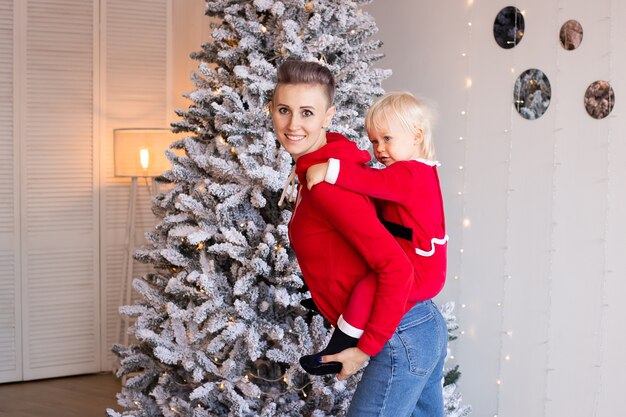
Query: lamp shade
141	152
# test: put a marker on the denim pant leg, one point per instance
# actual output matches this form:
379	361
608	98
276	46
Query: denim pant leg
430	402
405	377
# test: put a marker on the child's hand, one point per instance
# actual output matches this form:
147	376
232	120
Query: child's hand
352	359
316	174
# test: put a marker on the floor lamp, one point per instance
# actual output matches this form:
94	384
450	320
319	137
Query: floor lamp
137	153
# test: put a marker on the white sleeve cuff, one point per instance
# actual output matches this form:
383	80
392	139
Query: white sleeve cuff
332	172
349	329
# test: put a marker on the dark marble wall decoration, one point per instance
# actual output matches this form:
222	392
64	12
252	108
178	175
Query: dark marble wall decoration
571	35
531	94
508	28
599	99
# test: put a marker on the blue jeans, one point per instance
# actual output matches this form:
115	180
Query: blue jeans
406	377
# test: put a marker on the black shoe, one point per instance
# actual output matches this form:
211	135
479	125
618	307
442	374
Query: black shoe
310	364
339	341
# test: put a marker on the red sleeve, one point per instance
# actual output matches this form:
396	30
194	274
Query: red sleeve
355	219
392	184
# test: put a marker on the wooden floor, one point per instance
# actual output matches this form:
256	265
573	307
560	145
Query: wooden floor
77	396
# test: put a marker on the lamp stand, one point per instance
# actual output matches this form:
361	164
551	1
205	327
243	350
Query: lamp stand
127	272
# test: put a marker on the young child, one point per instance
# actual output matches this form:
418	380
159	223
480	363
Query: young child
411	207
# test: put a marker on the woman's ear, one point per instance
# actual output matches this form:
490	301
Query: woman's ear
330	113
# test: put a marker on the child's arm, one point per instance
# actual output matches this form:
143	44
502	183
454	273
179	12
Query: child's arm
395	183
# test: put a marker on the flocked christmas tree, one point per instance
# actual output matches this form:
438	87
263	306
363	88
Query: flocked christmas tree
219	325
451	398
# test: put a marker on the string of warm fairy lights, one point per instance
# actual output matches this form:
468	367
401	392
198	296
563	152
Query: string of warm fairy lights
605	271
503	356
462	141
555	103
199	247
246	379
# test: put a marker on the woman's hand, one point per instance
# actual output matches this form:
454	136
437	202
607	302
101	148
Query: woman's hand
352	359
316	174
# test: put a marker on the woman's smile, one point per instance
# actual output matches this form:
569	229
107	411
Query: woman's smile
301	114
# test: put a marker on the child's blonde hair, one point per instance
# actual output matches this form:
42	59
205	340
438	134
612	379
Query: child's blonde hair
412	113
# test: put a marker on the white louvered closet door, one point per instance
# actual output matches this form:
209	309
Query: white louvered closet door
58	189
10	317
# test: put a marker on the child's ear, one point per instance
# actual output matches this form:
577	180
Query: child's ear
419	136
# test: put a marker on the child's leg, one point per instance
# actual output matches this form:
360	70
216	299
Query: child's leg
357	312
349	328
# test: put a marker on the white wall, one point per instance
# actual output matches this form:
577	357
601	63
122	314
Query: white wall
537	268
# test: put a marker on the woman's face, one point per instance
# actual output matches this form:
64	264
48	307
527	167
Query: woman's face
301	114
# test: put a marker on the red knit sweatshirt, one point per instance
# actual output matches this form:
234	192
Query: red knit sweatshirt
412	202
338	240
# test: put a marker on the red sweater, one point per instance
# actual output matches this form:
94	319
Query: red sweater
413	204
338	240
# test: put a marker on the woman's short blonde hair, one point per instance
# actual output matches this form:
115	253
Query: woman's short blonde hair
414	114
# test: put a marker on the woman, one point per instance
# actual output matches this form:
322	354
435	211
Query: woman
338	240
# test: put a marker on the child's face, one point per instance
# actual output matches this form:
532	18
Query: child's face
393	142
300	113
